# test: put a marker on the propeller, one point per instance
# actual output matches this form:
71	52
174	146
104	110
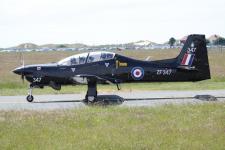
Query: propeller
22	64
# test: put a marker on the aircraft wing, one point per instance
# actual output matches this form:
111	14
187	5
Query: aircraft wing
98	78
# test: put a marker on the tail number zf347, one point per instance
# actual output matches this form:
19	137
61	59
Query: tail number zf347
165	72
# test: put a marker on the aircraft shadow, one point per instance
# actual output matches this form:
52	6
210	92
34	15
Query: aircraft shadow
126	99
175	98
61	101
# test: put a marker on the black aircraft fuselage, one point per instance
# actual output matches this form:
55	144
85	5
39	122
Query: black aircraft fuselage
107	67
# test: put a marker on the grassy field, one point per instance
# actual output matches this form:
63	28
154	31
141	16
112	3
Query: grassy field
168	127
11	84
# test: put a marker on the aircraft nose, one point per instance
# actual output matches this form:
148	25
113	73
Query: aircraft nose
18	70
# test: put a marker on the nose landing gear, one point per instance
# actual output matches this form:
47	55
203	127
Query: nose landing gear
30	97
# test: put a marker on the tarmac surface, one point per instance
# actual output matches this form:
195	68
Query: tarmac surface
132	99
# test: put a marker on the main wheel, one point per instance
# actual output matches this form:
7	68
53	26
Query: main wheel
30	98
91	99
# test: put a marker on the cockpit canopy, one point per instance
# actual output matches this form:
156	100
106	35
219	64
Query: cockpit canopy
86	58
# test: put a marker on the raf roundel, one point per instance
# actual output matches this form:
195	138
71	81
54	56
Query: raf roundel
137	73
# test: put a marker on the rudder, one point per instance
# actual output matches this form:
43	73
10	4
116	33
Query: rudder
194	56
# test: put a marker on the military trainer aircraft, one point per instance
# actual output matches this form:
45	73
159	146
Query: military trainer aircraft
103	67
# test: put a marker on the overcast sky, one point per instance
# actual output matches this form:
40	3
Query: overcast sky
107	21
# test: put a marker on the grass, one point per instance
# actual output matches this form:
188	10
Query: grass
10	84
168	127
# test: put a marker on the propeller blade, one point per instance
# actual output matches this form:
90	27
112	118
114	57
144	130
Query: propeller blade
22	77
23	64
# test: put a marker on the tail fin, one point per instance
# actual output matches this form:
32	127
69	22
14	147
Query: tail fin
194	56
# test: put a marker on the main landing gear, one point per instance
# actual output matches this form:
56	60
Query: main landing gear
30	97
92	97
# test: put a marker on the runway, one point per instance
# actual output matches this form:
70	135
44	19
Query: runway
132	99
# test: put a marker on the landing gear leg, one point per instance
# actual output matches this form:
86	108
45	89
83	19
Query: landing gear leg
30	98
91	95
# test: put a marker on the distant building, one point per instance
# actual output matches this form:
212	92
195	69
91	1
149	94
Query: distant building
213	38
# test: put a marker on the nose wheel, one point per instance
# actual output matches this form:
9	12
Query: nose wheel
30	97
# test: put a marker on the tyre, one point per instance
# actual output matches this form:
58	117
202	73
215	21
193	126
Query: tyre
30	98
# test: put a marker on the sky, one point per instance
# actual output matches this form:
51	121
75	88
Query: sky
96	22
